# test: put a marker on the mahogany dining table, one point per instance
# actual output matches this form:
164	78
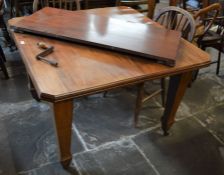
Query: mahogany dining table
84	70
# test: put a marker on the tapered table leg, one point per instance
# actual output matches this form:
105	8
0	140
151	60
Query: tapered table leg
176	90
63	121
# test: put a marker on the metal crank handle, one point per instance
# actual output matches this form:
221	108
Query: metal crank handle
41	56
46	52
51	62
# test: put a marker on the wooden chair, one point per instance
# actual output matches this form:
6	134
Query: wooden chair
178	19
215	39
207	18
202	23
147	6
173	18
16	7
63	4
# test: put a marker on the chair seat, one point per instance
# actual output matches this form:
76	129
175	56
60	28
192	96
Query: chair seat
211	37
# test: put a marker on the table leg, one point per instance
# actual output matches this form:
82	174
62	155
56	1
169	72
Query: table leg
176	90
63	121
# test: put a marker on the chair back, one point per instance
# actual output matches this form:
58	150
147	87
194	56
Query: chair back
205	18
175	18
62	4
219	24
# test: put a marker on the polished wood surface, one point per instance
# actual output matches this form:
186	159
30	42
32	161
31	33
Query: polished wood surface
78	63
85	70
106	32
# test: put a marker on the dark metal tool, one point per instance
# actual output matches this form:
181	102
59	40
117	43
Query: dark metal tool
41	56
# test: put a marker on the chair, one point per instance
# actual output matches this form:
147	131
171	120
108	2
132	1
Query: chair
63	4
214	38
205	37
202	23
178	19
2	56
16	7
147	6
173	18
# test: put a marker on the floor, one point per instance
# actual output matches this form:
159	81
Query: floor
104	141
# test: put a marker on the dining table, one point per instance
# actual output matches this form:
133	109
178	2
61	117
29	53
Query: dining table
85	69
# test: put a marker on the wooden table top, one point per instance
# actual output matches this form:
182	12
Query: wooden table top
115	34
86	70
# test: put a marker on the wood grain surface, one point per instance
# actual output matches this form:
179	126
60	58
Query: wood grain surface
86	70
135	38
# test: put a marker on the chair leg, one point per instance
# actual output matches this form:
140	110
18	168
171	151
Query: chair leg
2	65
195	75
32	89
2	54
7	37
138	106
218	63
105	94
163	92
